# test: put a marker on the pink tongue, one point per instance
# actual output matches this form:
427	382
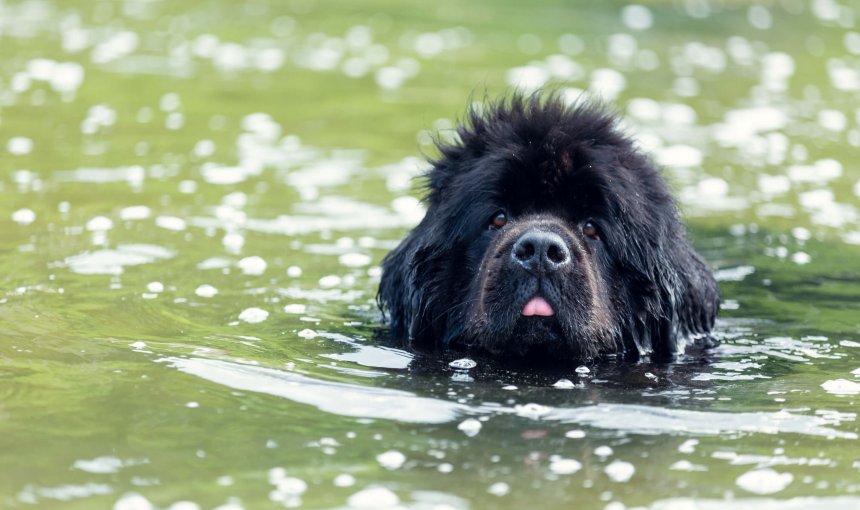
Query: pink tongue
538	306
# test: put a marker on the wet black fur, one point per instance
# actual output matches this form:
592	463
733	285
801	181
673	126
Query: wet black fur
641	289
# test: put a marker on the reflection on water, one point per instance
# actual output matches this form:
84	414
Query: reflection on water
196	197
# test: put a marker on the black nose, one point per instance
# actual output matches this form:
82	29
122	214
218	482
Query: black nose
540	252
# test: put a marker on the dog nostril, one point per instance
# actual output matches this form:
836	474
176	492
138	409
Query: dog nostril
556	254
524	251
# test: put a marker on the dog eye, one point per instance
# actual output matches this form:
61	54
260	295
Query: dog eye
590	230
500	219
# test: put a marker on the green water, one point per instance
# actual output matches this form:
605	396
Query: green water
196	195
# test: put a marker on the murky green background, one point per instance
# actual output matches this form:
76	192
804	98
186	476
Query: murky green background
194	198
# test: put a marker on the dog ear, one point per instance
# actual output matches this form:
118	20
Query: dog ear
396	287
400	293
688	295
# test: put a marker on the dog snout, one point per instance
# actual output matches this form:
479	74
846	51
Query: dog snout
540	252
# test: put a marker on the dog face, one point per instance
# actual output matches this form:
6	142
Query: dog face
549	237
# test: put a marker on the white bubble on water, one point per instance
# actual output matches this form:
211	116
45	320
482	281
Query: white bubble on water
233	242
564	384
644	109
204	148
184	505
99	465
409	208
269	59
99	224
115	47
688	446
607	83
764	481
187	187
463	364
470	426
637	17
291	486
24	216
174	121
19	145
563	68
390	77
358	36
253	265
206	291
155	287
373	497
686	465
852	42
532	410
759	17
135	212
253	315
20	82
801	258
832	120
620	471
776	69
713	187
277	474
575	434
841	387
354	259
344	480
527	78
680	156
132	501
329	281
773	185
171	223
296	308
230	57
801	233
355	67
429	44
622	48
307	334
391	460
603	451
294	271
41	68
499	489
826	10
170	102
562	466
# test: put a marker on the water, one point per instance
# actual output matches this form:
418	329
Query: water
196	197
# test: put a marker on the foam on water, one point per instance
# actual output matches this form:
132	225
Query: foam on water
113	261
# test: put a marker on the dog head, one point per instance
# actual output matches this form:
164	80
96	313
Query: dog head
547	235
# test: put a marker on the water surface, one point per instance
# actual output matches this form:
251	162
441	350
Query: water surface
196	197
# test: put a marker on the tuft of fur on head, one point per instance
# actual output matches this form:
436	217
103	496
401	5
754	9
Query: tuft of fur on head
552	165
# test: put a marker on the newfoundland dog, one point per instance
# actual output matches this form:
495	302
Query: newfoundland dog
548	236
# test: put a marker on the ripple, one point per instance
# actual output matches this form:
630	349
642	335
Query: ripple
114	261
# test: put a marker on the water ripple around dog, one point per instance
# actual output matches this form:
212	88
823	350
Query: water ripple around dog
381	403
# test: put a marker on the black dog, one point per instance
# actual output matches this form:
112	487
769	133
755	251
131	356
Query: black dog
548	236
